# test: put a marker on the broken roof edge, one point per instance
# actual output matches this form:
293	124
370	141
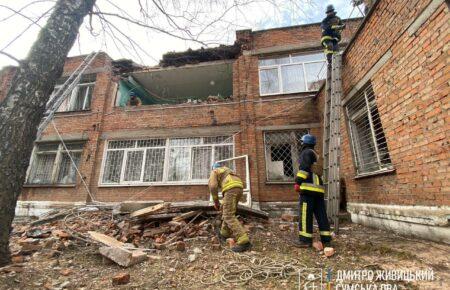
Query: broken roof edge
190	56
150	69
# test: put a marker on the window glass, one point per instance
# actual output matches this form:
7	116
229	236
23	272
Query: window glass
43	168
293	78
295	73
164	160
67	171
51	163
315	75
269	82
113	166
179	164
274	61
154	165
308	57
133	165
201	162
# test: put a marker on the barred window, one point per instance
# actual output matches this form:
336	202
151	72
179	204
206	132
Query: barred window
51	164
368	141
291	74
157	160
282	151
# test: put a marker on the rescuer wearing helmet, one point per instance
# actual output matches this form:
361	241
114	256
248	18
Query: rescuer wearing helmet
332	27
231	185
311	189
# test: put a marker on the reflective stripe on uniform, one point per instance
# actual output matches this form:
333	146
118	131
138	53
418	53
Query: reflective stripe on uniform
326	51
302	174
303	231
325	233
325	38
312	187
316	179
232	184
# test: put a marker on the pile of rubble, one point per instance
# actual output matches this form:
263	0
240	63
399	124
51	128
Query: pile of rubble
125	238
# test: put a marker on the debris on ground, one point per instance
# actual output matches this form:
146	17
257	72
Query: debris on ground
121	279
176	246
328	251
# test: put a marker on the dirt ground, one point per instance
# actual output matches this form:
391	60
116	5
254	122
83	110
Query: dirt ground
80	266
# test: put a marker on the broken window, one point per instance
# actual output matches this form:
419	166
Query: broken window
51	163
282	150
81	96
291	74
164	160
367	136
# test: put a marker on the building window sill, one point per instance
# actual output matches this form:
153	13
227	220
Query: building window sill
312	92
374	173
48	185
154	184
280	182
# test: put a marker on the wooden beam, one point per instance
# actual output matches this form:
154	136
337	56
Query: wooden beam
149	210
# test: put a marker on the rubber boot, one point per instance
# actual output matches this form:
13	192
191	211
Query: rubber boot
222	239
242	248
302	244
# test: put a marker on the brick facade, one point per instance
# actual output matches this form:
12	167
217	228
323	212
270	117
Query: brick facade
248	111
411	90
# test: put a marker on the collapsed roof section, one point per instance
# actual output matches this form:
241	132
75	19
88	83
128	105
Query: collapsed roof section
222	52
194	76
202	83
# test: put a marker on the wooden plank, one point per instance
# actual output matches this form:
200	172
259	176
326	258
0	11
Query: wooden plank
104	239
149	210
186	215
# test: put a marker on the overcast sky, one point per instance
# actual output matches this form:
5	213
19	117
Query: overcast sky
259	14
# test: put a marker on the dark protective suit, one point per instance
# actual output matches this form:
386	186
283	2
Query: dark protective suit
311	199
331	35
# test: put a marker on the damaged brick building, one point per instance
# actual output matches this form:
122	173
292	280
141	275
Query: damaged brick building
256	98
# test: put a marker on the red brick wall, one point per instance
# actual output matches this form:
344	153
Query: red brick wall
248	110
88	123
412	95
307	35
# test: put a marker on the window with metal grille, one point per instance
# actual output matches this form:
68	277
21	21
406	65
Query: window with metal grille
157	160
291	74
282	149
368	141
81	96
51	163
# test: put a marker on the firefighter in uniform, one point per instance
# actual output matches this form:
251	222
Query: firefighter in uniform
311	189
232	189
332	27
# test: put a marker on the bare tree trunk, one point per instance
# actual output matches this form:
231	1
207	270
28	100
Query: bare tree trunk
24	105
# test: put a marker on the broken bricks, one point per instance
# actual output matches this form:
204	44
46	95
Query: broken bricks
123	257
121	279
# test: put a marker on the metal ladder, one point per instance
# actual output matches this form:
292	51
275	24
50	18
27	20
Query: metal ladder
332	138
58	96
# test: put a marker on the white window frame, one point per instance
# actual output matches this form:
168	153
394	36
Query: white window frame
354	138
280	80
56	165
73	96
166	165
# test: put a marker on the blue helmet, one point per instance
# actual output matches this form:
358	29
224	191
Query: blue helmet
309	139
216	165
